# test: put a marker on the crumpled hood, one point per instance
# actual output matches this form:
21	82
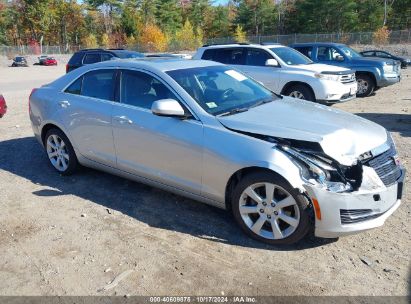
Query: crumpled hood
319	67
342	136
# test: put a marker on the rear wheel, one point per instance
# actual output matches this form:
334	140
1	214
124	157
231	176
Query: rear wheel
366	85
60	152
300	91
268	209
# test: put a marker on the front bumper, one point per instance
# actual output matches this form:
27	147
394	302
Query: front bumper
335	92
341	212
388	80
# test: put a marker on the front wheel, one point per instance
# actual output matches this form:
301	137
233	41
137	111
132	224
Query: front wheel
268	209
60	152
366	85
300	91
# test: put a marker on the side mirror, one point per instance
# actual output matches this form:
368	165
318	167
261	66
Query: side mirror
272	62
339	58
168	107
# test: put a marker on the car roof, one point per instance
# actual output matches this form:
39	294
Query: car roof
229	45
160	64
318	44
374	51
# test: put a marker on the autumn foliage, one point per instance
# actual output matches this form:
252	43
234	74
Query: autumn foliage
153	39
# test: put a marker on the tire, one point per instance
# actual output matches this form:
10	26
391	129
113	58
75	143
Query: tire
60	152
251	214
366	85
300	91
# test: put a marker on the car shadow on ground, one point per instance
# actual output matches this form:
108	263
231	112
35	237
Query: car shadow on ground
152	206
400	123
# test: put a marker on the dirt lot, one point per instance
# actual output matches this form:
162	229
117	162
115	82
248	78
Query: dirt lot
74	235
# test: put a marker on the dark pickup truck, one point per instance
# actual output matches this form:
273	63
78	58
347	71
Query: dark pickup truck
371	73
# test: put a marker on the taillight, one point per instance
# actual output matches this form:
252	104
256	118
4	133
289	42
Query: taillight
32	91
67	68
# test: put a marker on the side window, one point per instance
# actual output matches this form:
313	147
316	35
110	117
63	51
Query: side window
106	56
99	84
208	55
382	54
257	57
141	90
327	53
307	50
75	87
91	58
229	56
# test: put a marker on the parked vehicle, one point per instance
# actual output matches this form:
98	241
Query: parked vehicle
285	71
3	106
371	73
383	54
203	130
19	61
42	58
89	56
49	61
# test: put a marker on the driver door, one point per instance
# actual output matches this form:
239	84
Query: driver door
164	149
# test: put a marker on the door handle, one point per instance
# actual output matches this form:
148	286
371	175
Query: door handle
123	119
64	103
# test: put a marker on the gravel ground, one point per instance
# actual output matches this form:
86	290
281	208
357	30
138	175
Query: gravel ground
74	235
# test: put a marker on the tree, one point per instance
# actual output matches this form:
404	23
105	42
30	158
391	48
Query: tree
317	16
153	39
186	38
168	15
217	22
256	16
240	35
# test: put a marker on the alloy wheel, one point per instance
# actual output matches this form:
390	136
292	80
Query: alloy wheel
297	94
362	86
269	211
57	152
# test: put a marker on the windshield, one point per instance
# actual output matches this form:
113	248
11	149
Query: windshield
17	59
220	90
349	52
291	56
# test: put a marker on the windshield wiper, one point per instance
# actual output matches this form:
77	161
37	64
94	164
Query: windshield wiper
233	111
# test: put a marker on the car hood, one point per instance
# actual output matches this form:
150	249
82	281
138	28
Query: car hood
371	60
342	136
319	67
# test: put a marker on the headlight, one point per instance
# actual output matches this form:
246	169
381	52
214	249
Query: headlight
387	68
315	171
327	76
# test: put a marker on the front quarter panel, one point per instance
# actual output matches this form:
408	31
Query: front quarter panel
226	152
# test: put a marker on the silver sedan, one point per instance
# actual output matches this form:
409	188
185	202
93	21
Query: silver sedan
208	132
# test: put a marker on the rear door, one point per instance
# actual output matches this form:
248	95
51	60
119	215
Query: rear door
85	108
165	149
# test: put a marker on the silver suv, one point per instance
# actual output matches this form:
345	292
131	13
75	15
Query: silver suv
205	131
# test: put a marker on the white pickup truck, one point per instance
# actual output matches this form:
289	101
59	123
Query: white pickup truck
285	71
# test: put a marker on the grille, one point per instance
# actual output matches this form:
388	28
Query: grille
347	78
385	166
357	215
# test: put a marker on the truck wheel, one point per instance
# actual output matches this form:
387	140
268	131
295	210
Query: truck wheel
300	91
366	85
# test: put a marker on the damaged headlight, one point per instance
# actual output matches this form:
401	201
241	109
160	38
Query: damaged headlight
316	171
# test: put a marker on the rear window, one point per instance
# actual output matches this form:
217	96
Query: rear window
97	84
227	56
76	59
92	58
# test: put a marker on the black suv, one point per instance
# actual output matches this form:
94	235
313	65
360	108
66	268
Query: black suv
89	56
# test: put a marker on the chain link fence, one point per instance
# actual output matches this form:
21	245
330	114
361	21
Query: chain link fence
359	38
395	37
